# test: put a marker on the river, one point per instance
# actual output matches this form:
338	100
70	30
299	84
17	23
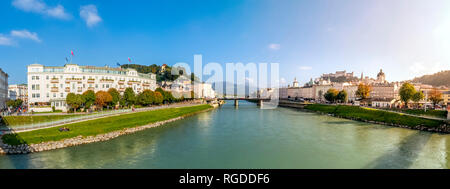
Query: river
248	137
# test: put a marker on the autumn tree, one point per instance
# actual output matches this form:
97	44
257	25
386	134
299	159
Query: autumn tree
102	98
435	96
158	98
363	91
406	93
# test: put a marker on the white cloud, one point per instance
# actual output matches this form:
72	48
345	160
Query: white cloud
39	6
36	6
9	40
305	68
58	12
90	14
421	68
6	41
25	34
274	46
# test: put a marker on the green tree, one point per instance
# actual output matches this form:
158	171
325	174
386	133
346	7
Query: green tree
167	96
89	98
331	95
418	96
406	93
146	98
18	103
10	103
342	96
74	101
115	96
363	91
129	96
14	103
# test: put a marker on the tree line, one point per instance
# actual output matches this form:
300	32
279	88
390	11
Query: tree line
113	98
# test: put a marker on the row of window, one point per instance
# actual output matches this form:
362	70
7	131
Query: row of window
90	77
85	70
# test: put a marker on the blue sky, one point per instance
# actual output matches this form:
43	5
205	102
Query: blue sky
405	38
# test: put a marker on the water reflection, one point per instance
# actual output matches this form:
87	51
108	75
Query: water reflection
404	155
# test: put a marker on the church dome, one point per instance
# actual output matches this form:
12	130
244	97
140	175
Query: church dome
381	73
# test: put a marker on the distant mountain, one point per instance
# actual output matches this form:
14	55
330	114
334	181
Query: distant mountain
438	79
222	86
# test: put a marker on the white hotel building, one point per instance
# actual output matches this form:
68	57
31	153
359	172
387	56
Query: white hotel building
48	86
3	88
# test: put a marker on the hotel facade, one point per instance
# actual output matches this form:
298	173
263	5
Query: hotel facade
48	86
16	92
3	88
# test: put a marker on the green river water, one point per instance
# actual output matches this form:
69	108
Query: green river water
248	137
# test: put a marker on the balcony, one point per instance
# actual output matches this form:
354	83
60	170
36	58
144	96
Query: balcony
91	80
68	80
54	80
106	80
67	90
80	89
146	84
121	82
54	89
91	88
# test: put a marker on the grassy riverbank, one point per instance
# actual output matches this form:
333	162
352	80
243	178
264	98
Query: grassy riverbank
369	114
431	113
100	126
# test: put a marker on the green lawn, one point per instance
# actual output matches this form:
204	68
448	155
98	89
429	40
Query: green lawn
370	114
99	126
56	111
23	120
432	113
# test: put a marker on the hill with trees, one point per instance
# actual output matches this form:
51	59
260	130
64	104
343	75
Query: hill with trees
165	75
441	78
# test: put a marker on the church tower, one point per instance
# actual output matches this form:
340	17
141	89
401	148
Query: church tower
381	77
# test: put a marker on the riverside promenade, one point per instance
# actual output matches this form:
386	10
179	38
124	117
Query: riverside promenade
87	117
87	132
301	105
